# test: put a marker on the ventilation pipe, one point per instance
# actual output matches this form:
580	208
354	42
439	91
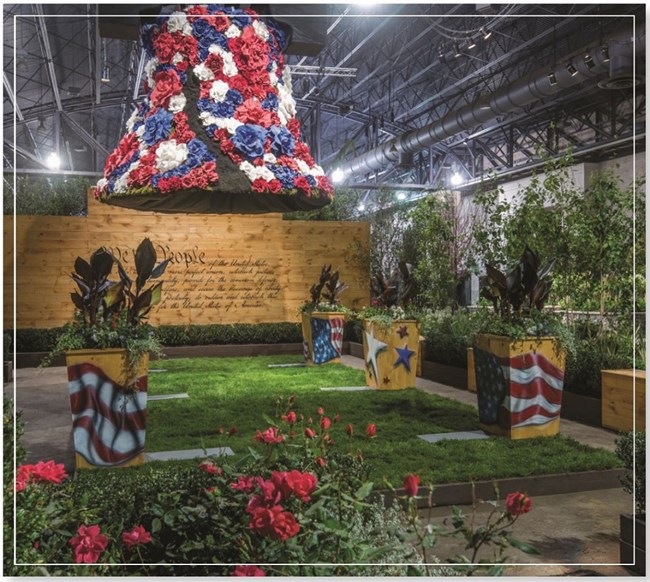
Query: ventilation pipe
545	82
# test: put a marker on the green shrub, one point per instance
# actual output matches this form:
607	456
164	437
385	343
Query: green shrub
634	480
447	336
48	195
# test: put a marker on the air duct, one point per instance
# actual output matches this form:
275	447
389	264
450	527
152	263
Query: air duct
545	82
621	66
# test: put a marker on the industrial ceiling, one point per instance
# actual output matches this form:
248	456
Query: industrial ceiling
404	95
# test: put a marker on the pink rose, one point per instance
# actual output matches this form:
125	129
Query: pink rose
136	537
89	545
518	503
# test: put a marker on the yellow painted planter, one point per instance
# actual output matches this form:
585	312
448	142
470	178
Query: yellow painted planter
519	385
623	398
325	334
391	354
108	421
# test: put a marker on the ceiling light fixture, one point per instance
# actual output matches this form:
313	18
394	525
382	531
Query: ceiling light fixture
41	125
401	195
361	207
456	179
604	50
53	161
457	52
338	175
571	69
551	79
441	54
589	61
470	43
106	74
486	32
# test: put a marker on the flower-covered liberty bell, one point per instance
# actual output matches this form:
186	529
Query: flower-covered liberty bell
216	131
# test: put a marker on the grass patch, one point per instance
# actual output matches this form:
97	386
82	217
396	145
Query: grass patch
227	392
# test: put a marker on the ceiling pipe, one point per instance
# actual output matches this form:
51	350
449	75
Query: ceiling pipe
568	71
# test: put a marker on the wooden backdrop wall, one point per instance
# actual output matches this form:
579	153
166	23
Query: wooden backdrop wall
224	268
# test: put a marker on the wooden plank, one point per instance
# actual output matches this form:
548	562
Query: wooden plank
223	268
623	398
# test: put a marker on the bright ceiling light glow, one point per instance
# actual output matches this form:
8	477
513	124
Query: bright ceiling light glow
338	175
401	195
361	207
53	161
456	179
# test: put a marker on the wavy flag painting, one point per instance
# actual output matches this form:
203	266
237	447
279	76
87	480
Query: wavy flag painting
108	421
327	339
517	392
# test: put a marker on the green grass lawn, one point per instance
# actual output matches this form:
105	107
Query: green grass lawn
227	392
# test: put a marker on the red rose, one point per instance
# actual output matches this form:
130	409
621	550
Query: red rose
245	484
49	471
211	468
289	163
197	10
249	571
410	484
136	537
232	431
249	51
321	462
215	63
293	125
250	111
221	23
518	503
141	175
325	423
301	152
188	182
371	430
281	487
262	519
275	186
259	185
268	437
309	433
349	429
189	48
325	185
89	545
290	418
284	525
320	410
23	477
301	183
168	84
165	47
302	484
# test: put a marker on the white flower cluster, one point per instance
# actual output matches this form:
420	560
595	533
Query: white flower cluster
255	172
178	22
170	155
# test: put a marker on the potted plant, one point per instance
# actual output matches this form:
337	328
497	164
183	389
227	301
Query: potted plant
391	334
323	319
520	354
107	351
630	448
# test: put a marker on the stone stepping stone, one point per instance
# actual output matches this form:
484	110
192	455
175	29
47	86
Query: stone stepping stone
167	396
157	371
297	365
347	388
454	436
189	454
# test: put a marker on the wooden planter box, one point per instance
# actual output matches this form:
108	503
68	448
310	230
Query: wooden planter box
633	551
623	395
108	421
391	354
519	386
322	333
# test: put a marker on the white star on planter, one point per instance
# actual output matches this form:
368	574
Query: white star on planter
374	347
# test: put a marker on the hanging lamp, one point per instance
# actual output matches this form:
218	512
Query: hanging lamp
217	130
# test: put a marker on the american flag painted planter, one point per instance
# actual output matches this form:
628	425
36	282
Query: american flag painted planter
519	385
391	354
322	333
108	421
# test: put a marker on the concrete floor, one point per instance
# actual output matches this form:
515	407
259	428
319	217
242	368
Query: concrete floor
578	528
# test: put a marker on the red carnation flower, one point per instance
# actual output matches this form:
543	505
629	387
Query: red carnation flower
301	183
293	125
275	186
138	536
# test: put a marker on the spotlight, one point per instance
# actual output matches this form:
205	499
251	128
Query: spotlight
457	52
486	32
361	207
53	161
571	69
456	179
106	74
401	195
470	43
604	50
441	54
483	101
551	78
589	61
338	175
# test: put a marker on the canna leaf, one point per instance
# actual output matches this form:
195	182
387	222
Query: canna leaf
83	269
145	260
160	269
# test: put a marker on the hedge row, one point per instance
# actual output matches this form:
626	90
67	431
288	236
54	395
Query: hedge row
43	340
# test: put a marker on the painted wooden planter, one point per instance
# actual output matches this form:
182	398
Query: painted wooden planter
108	420
519	385
391	354
322	333
633	550
623	398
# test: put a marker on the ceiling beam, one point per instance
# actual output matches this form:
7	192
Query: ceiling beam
23	152
47	53
83	134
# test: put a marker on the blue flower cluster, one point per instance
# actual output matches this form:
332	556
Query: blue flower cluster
271	102
157	127
226	108
285	175
237	15
249	139
282	142
207	35
198	154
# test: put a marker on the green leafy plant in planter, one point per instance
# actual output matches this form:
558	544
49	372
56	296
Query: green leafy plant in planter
630	448
107	350
323	319
390	331
520	352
